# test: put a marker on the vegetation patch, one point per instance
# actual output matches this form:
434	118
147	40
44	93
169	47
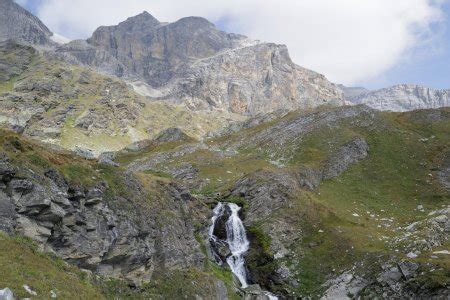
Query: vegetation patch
22	264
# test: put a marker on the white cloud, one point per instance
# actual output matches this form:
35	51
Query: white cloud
347	40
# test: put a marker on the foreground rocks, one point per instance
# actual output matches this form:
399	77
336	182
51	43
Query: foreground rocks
111	235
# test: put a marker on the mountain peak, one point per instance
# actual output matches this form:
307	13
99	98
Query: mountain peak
144	19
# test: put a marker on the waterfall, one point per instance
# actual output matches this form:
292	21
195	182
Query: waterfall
236	239
238	243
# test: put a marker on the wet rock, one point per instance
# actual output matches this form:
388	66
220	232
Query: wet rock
7	214
222	249
7	171
220	230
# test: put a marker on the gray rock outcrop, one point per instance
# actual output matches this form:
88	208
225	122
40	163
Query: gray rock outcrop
109	234
172	135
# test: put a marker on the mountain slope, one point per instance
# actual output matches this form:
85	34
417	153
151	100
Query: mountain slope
329	197
17	23
77	108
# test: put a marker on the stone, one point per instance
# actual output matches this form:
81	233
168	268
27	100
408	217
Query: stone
57	178
29	290
172	135
408	269
107	158
390	276
84	78
344	285
21	186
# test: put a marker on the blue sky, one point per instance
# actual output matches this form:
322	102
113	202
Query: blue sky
430	68
427	64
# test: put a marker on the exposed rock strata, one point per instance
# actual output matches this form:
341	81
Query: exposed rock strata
109	235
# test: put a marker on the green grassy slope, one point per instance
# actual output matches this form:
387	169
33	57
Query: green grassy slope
22	264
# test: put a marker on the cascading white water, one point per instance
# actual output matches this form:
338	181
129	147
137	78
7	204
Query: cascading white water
236	239
238	243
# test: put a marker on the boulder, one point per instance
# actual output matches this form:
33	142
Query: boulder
172	135
408	269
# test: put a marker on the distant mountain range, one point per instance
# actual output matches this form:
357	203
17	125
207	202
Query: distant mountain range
193	63
402	97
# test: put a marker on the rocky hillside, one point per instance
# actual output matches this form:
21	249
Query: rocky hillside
335	201
191	62
17	23
79	109
402	97
134	228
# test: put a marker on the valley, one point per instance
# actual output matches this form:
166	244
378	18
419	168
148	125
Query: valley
162	160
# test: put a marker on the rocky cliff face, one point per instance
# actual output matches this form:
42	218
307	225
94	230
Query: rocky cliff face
17	23
118	228
191	62
250	80
154	51
403	97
